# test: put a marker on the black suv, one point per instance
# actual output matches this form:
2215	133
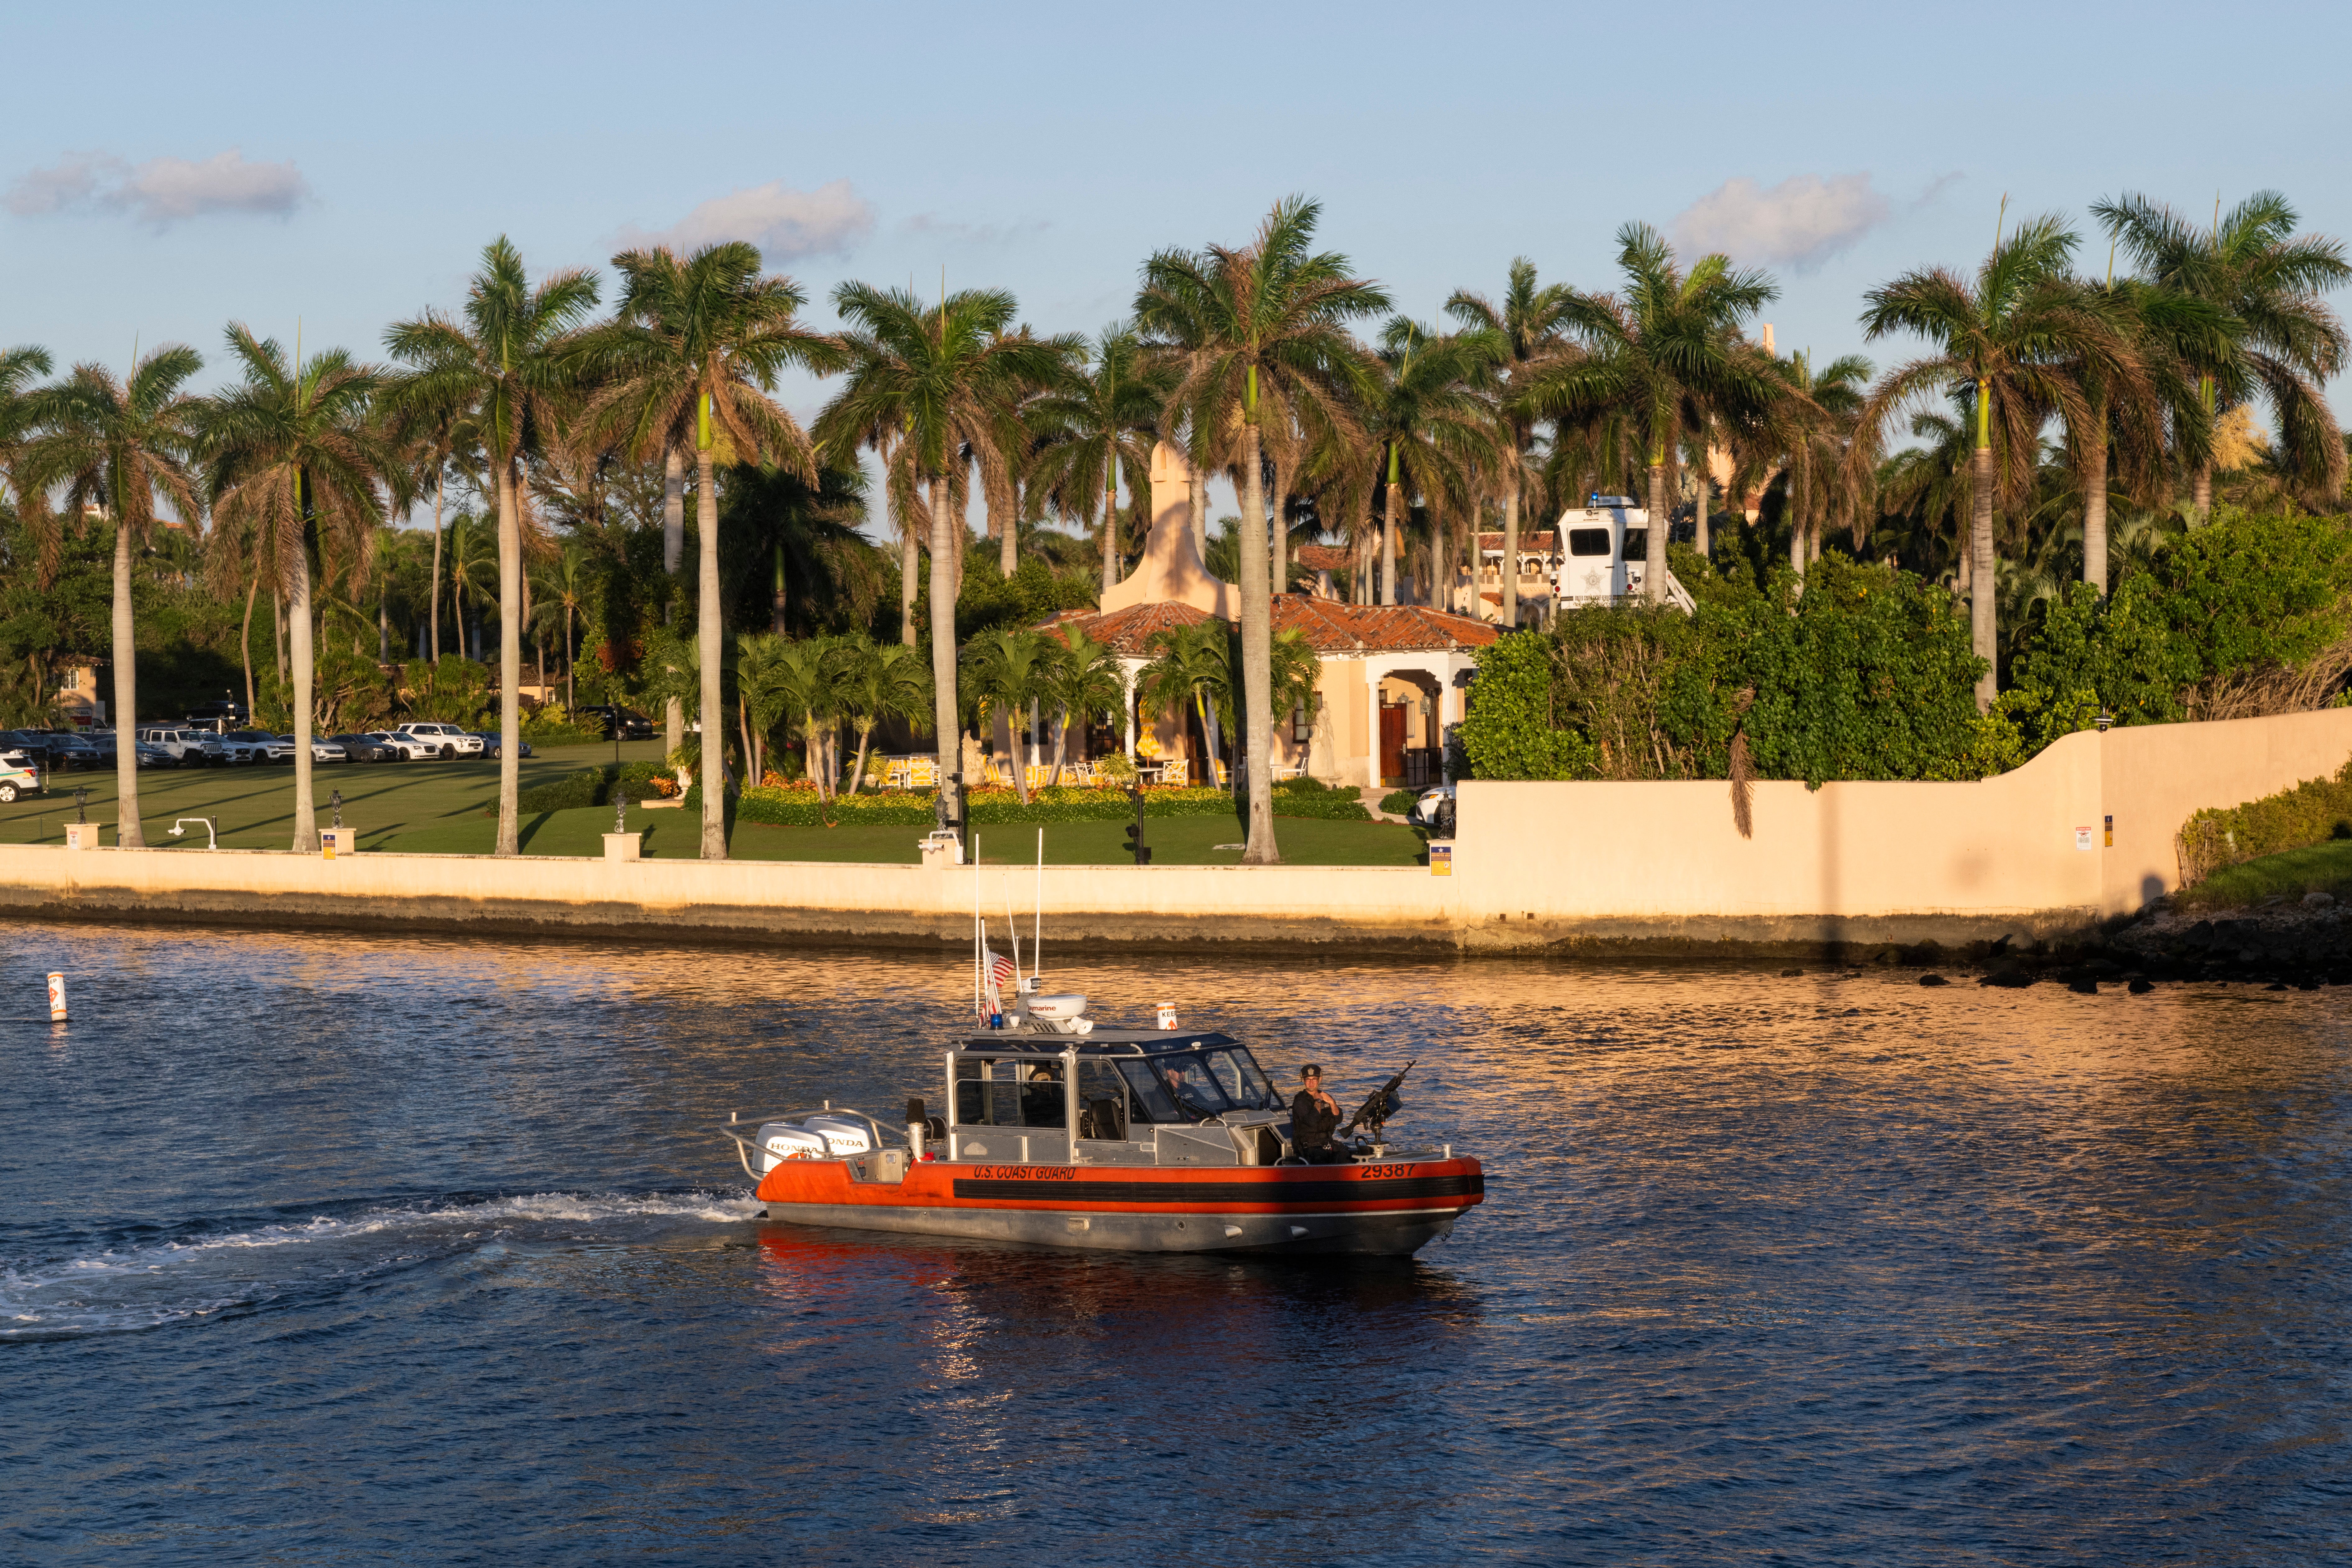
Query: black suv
620	723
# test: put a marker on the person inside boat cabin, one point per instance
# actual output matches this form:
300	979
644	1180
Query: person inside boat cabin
1041	1098
1314	1116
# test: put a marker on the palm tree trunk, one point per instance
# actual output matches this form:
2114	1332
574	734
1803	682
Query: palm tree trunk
509	664
298	614
2201	493
1061	744
943	643
1110	530
673	554
743	722
1984	631
1008	538
776	605
865	742
1699	539
1278	558
1509	613
433	610
707	629
1197	492
383	620
127	833
908	549
2094	507
1389	547
245	644
1255	719
1654	560
570	662
277	634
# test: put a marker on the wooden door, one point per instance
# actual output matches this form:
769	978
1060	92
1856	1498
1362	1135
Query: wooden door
1392	740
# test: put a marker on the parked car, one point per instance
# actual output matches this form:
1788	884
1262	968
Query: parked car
69	752
219	717
151	755
32	743
366	749
19	775
631	724
255	746
321	750
189	748
490	743
407	748
1434	811
449	740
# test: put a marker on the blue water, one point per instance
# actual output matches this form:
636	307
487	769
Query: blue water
328	1250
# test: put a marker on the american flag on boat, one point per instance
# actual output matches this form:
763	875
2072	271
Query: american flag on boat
1001	972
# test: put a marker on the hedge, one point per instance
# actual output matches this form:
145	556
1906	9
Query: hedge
798	806
594	786
2313	811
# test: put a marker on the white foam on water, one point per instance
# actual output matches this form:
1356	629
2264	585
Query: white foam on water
143	1286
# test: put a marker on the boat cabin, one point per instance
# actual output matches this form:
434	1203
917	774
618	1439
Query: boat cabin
1112	1097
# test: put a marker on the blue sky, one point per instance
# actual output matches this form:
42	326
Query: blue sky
165	170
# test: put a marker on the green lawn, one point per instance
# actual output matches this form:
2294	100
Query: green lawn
2322	868
449	808
1174	840
254	806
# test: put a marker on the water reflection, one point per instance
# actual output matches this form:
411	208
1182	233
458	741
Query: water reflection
1834	1269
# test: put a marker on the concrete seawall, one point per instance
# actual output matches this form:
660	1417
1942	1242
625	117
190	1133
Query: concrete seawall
2080	835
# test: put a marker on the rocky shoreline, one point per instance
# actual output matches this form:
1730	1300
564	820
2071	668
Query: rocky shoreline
2280	945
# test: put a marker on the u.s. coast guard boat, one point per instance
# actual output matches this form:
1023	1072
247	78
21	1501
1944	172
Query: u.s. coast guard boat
1058	1131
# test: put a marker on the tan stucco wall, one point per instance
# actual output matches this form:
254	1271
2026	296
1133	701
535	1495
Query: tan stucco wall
2000	847
1655	867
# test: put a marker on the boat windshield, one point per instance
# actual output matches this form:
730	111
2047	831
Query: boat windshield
1196	1085
1238	1074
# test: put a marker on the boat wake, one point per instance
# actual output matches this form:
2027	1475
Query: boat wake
151	1276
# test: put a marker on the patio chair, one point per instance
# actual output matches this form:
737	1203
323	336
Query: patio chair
922	774
1176	772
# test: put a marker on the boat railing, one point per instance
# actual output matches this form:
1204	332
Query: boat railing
745	1130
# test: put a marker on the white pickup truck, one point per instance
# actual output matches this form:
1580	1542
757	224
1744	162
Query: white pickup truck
446	740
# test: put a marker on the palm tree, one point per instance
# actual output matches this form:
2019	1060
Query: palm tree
1661	354
118	445
1264	329
19	417
295	462
1012	669
473	580
510	361
563	590
1812	423
2120	436
1530	323
941	377
1434	427
1108	413
1084	681
2019	336
695	352
2252	267
882	683
1193	664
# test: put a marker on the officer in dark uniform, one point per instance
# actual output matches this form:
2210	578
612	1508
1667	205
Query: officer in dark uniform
1314	1117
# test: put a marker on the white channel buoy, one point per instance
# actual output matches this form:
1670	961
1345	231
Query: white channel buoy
56	998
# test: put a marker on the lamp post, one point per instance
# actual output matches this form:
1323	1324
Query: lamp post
81	804
335	804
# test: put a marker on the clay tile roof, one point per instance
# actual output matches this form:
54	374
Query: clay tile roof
1537	540
1321	557
1331	628
1128	630
1334	628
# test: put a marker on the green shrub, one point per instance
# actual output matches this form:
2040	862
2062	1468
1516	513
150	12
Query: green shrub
799	808
1398	802
568	793
2311	813
1330	805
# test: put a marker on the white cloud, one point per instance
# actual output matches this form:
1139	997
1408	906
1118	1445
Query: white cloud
161	191
784	223
1801	222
